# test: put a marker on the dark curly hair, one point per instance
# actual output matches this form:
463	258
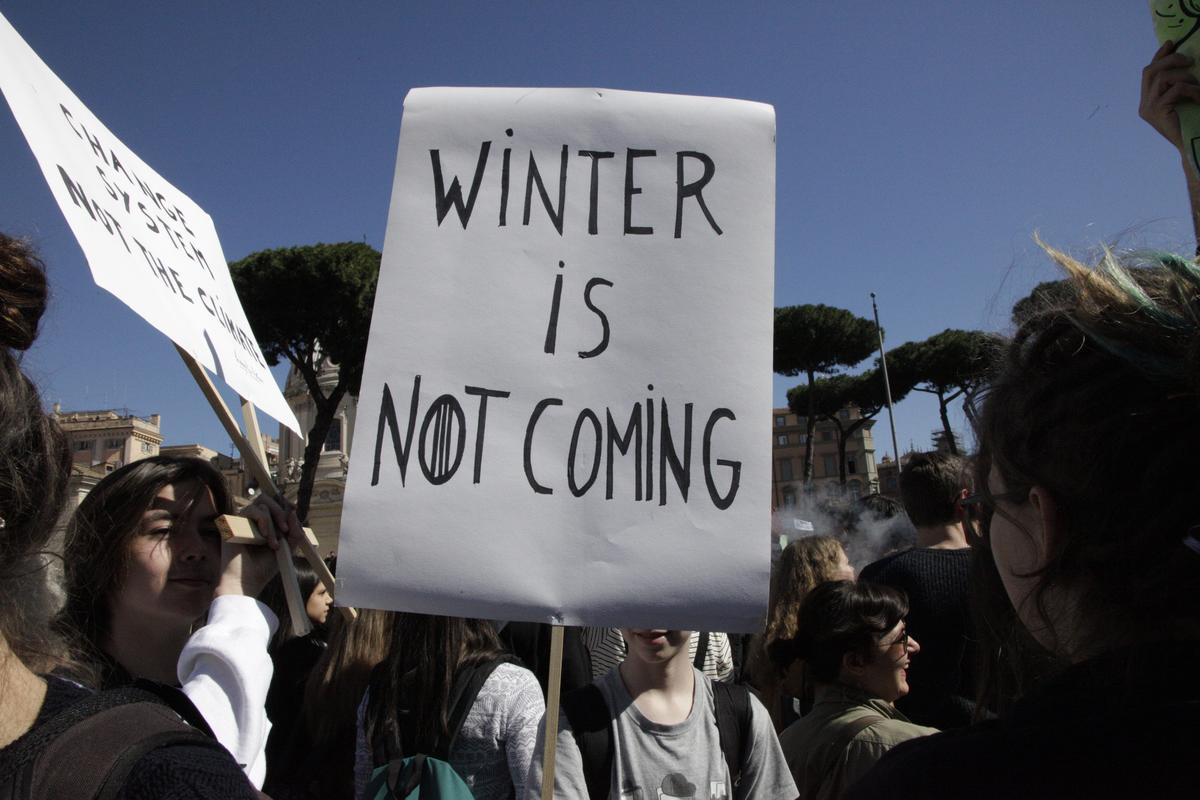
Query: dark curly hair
35	464
836	618
1095	400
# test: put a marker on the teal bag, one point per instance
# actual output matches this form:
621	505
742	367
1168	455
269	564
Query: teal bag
418	776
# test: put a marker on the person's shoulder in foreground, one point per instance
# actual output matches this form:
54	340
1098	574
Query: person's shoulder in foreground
1120	725
173	772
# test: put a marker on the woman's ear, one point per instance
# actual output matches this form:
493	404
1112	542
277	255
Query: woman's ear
853	665
1048	527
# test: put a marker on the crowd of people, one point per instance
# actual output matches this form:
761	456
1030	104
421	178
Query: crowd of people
1037	639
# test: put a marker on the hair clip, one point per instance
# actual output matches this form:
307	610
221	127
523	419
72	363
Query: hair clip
1191	542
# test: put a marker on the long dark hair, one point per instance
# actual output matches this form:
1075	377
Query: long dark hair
273	597
96	552
35	465
1095	401
410	690
836	618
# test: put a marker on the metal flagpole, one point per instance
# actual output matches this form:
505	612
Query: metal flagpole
887	386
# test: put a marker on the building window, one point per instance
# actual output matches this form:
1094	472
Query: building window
84	445
830	464
781	440
803	438
851	465
785	469
826	436
114	444
855	488
147	449
789	498
844	413
333	440
780	422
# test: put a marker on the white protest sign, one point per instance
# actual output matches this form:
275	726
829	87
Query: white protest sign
565	413
145	241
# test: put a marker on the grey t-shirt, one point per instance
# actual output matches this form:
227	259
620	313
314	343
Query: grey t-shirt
657	762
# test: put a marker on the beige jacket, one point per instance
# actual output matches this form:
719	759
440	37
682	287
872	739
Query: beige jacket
821	774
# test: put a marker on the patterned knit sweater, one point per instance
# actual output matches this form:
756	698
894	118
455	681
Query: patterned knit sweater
494	746
940	678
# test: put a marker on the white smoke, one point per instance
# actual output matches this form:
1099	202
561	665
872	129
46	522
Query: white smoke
866	534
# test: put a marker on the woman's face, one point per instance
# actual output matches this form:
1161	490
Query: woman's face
886	675
843	571
175	557
318	604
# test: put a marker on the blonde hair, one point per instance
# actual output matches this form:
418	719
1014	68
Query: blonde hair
804	564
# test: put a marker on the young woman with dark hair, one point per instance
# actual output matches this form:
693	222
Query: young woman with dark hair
408	705
851	643
144	564
1089	557
34	467
293	657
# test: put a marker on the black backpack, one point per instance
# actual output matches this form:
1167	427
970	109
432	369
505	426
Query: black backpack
87	750
591	726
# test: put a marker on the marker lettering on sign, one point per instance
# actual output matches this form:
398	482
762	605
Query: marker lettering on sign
611	437
450	196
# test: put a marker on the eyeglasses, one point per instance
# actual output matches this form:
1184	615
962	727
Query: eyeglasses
985	502
901	640
980	506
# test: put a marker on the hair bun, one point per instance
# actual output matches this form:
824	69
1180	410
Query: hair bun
23	293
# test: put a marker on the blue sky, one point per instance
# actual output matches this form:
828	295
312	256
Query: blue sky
920	144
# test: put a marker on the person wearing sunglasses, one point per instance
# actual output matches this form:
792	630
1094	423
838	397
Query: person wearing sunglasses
853	645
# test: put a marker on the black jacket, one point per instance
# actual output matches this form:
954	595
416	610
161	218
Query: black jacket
1123	724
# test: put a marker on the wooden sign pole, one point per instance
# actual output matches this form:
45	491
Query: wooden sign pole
553	693
301	625
255	460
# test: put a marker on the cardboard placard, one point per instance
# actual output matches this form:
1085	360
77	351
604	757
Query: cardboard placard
566	406
146	242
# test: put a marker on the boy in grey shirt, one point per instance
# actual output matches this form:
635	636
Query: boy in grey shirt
665	742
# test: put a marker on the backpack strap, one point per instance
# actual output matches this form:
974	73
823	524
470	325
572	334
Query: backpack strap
178	702
89	749
818	770
467	683
735	724
701	651
591	727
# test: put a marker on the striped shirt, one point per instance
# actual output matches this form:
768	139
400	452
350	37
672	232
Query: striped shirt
607	649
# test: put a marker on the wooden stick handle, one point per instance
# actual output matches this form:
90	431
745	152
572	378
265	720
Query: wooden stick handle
241	530
256	466
301	624
553	692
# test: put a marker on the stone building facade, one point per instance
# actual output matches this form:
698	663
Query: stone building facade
788	431
110	438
